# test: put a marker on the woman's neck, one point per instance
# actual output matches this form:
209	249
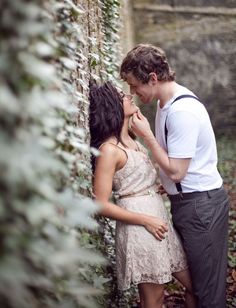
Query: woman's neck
128	141
125	130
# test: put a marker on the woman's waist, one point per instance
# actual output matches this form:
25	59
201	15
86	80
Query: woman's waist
151	190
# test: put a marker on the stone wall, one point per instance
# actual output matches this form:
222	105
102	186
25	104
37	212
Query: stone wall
199	40
192	3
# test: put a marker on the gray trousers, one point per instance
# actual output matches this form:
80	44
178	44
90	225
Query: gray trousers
201	219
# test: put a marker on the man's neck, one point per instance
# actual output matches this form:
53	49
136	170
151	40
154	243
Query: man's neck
167	91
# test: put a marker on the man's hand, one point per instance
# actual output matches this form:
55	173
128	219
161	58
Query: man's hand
140	125
156	226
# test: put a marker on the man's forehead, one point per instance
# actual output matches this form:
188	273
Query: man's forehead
131	79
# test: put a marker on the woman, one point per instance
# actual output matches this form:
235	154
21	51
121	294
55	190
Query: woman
148	251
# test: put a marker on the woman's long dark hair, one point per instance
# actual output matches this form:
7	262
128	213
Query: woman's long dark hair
106	116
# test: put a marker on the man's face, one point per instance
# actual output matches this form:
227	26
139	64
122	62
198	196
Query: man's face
145	91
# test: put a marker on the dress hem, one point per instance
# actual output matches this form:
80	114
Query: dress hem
156	281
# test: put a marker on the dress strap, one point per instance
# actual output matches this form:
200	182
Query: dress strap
141	148
138	145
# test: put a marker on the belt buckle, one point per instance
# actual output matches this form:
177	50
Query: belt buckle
151	193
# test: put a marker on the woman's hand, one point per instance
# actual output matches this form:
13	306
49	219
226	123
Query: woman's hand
161	190
156	226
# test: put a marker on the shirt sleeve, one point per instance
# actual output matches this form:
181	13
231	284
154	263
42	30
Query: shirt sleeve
183	130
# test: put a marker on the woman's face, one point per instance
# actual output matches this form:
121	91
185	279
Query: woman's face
128	104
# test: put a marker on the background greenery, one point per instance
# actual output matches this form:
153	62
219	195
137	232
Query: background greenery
46	258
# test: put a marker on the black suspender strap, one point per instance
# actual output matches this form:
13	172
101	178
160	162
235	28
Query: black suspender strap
176	99
178	185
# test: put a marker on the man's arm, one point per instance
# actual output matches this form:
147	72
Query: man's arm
175	168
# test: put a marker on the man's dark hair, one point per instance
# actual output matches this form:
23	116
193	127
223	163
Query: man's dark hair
145	59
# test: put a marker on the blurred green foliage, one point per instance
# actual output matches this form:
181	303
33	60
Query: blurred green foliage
227	149
50	244
44	261
227	165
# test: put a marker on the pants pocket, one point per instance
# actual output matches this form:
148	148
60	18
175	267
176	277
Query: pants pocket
186	219
205	210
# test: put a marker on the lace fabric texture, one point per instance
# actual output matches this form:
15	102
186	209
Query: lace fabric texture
140	257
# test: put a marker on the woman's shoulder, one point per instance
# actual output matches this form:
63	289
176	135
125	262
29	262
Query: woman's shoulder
108	147
111	148
112	154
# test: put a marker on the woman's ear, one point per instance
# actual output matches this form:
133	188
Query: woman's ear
153	78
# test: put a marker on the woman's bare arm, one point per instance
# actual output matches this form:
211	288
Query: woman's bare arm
106	165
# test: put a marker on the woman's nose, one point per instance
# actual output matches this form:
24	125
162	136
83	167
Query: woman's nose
130	96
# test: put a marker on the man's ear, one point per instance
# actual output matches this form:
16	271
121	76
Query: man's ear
153	78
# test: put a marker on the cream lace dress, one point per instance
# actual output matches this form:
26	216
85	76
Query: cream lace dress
140	257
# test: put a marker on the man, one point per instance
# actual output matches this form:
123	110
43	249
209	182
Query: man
185	150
